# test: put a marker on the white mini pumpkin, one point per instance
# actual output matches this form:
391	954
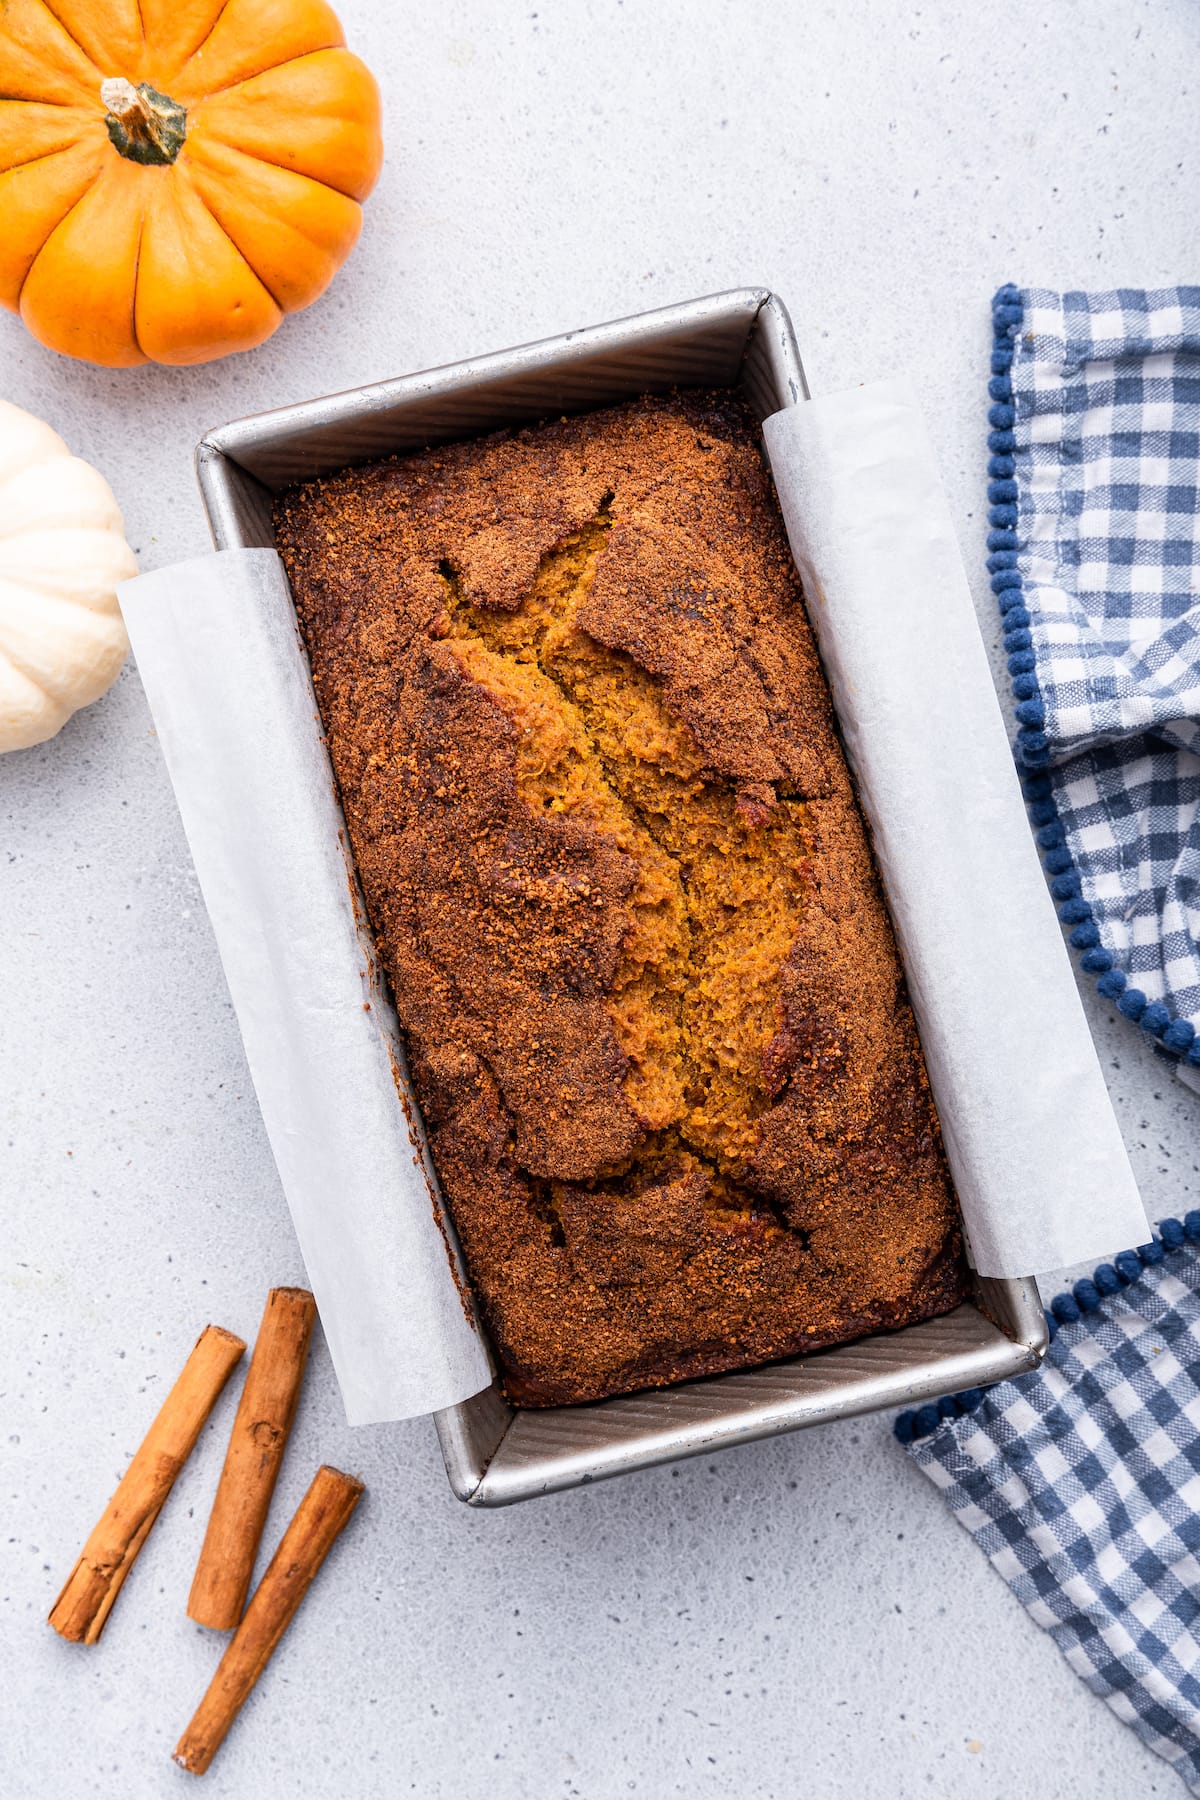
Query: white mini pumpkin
62	553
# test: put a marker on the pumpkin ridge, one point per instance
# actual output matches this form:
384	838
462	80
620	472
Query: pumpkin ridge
75	204
52	685
62	706
42	702
265	285
9	536
268	68
176	197
197	48
58	539
133	292
60	180
67	32
43	57
65	105
49	293
292	229
105	29
355	184
268	162
44	155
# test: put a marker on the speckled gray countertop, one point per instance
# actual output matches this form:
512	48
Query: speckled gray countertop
798	1618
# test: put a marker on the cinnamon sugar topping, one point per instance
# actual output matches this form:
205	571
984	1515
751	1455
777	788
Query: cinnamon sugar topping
624	896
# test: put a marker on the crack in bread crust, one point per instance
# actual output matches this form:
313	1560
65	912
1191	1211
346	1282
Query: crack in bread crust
721	879
624	898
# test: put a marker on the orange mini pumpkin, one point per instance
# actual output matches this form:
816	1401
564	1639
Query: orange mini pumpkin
175	175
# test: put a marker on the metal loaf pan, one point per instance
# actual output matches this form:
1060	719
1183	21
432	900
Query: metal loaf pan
494	1454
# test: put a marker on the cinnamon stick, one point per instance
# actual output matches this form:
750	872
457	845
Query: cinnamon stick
252	1462
81	1610
304	1546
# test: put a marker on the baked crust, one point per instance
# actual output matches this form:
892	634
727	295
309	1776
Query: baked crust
624	897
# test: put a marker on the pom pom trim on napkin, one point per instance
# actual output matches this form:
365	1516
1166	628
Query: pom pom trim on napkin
1176	1035
1065	1309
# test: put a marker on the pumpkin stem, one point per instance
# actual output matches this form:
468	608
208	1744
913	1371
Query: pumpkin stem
144	125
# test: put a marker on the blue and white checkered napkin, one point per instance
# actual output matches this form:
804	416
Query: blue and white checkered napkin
1095	560
1081	1483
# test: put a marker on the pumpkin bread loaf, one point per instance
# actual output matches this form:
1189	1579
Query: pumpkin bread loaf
625	898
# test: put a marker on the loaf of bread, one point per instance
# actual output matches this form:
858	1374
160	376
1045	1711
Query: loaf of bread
624	897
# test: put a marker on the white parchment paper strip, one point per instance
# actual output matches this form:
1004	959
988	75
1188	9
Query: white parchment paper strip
228	684
1040	1167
